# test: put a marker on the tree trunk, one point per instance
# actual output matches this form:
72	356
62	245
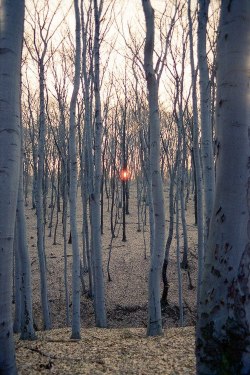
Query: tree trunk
178	258
154	307
100	309
27	323
73	186
39	204
87	140
64	223
17	285
206	123
11	26
224	307
196	153
184	262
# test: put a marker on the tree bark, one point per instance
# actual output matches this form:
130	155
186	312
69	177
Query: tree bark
196	154
157	253
224	308
39	201
206	123
11	26
73	186
27	323
100	309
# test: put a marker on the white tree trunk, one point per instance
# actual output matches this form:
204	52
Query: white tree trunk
178	258
206	123
17	284
196	153
27	326
11	26
154	305
39	203
100	310
73	186
184	263
224	309
87	143
144	155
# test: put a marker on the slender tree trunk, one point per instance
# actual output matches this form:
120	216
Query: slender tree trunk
11	26
52	203
39	203
178	261
58	208
64	223
87	143
196	153
164	297
184	263
17	286
139	201
154	307
27	323
148	193
100	309
206	123
76	322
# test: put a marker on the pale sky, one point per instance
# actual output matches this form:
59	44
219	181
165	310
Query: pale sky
126	14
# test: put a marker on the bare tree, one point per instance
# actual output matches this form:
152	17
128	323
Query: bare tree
100	310
40	22
23	259
196	153
205	108
61	89
73	184
154	313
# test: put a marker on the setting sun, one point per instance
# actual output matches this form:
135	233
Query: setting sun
124	174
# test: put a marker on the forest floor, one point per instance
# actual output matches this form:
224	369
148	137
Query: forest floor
123	349
108	351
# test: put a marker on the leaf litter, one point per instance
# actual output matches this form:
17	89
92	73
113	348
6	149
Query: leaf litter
122	348
108	351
